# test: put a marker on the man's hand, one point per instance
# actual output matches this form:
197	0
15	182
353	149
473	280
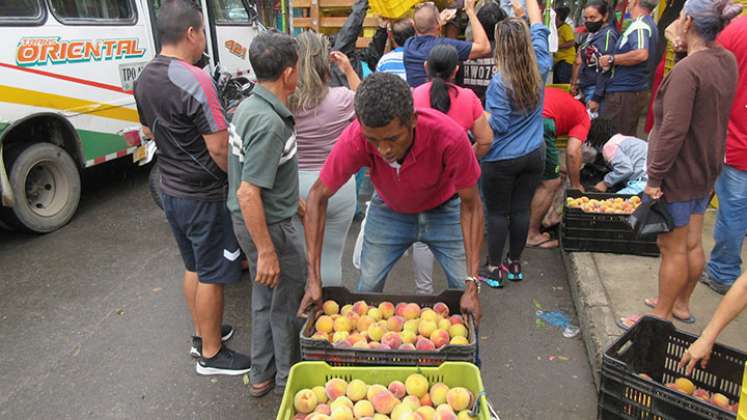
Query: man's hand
605	62
311	298
578	187
469	6
593	106
268	269
446	15
652	192
699	351
574	89
470	302
600	186
518	10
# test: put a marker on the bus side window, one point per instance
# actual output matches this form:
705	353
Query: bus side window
22	12
100	12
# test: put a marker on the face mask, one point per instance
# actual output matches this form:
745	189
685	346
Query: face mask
593	26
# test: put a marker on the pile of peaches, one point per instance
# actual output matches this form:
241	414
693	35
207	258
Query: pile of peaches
610	205
405	326
415	399
686	386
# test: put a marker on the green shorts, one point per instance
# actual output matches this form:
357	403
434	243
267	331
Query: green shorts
552	163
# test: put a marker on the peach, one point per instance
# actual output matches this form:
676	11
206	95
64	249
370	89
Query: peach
672	386
373	390
362	344
335	388
375	332
386	309
458	330
441	309
407	347
378	416
374	345
356	337
339	336
412	401
395	323
426	400
343	323
399	309
375	314
399	411
410	415
424	344
397	389
353	317
320	336
444	324
391	339
464	415
357	390
305	401
411	311
407	337
323	408
330	307
702	394
342	401
346	309
384	402
385	347
317	416
456	319
426	412
444	412
411	325
360	307
440	338
719	400
416	384
685	385
459	341
364	322
342	344
734	408
426	327
363	408
324	324
438	393
458	398
341	413
428	315
321	395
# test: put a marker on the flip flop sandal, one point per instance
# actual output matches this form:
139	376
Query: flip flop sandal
261	391
651	303
627	322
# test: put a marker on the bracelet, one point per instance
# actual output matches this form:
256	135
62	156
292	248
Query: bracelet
473	280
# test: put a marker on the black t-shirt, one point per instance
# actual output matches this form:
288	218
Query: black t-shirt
179	103
476	74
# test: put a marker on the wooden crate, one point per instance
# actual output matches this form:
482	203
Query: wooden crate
328	16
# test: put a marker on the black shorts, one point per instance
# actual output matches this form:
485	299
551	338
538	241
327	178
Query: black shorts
204	234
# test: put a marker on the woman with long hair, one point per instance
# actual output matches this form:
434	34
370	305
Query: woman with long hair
588	79
513	166
321	113
686	150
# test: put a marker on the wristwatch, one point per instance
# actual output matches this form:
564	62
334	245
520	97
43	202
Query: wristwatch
612	59
473	280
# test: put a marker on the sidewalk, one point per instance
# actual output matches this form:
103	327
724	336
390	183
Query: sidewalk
607	286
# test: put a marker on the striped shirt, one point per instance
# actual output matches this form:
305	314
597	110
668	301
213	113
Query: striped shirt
393	62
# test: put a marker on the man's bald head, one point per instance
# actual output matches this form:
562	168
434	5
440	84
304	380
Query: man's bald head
426	19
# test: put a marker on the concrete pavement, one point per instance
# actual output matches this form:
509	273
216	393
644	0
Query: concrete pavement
608	286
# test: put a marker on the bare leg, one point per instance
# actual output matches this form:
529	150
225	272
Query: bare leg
541	203
673	270
695	261
190	292
209	309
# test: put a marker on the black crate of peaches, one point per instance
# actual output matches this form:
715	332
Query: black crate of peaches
395	330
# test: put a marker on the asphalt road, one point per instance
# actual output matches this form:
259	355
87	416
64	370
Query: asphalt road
93	325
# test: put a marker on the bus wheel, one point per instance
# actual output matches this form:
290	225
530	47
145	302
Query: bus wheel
154	185
46	185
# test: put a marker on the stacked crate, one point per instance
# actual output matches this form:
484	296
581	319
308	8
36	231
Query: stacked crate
328	16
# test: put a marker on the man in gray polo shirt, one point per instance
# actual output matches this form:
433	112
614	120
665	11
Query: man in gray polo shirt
263	200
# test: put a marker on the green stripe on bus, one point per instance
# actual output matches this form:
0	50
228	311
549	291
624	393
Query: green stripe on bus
95	143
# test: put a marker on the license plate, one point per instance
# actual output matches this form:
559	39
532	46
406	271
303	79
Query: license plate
140	153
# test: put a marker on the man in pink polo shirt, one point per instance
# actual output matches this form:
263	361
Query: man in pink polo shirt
425	174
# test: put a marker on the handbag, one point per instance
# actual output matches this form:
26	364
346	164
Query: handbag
650	219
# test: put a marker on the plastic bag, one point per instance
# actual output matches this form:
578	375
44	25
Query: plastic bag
651	218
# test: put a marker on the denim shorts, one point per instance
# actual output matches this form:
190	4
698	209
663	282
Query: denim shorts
682	210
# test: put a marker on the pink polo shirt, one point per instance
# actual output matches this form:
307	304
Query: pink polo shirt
465	109
440	163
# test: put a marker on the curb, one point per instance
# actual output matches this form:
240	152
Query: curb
595	315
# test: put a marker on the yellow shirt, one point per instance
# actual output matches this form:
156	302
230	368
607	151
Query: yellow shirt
565	34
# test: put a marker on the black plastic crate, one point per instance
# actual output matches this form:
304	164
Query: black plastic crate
655	347
601	232
324	351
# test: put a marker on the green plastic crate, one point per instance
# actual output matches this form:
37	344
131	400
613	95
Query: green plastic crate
310	374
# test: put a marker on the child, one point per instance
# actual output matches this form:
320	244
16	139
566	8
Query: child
625	156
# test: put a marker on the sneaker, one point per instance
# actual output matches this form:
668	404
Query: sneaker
513	270
716	286
226	332
225	362
493	278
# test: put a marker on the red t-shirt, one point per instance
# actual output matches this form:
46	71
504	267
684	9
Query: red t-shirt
569	114
440	163
733	39
465	109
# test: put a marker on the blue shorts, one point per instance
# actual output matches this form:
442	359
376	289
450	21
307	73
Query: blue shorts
204	234
682	210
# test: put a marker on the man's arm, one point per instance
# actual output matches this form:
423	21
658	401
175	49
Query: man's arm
314	222
472	230
573	162
217	145
249	197
480	41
